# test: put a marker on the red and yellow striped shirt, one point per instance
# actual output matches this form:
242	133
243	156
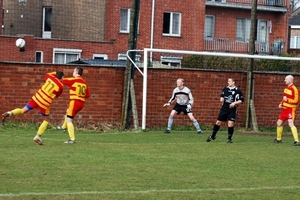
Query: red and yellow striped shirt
291	92
51	89
78	88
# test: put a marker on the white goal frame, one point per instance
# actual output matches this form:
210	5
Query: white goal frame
203	53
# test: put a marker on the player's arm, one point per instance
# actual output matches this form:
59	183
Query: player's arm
191	99
87	93
171	100
68	81
295	97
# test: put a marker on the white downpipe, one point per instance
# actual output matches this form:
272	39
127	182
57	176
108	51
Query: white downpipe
152	28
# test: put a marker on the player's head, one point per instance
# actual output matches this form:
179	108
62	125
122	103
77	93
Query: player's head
78	71
59	74
289	80
231	82
179	82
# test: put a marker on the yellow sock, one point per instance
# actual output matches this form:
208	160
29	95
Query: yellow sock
279	132
17	111
295	133
42	128
71	131
64	126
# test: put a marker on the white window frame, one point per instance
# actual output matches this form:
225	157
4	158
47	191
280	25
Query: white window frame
45	34
123	56
66	52
243	27
172	61
174	26
209	27
295	42
103	56
42	55
125	20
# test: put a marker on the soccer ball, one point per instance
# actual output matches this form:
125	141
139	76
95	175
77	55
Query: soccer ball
20	43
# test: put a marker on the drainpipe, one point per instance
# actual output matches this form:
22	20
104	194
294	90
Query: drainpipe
152	29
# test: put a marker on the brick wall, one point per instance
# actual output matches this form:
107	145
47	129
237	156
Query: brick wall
9	51
75	20
20	81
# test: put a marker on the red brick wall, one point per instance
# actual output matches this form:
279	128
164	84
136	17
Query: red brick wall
20	81
9	51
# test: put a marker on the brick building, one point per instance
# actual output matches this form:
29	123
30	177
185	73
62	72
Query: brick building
60	31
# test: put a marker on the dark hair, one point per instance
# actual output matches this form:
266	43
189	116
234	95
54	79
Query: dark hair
79	70
59	74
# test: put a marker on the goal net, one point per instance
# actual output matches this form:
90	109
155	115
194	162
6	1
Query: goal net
151	56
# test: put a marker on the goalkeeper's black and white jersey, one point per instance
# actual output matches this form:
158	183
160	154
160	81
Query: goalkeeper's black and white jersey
182	96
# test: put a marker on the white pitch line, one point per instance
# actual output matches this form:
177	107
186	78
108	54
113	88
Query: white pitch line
145	191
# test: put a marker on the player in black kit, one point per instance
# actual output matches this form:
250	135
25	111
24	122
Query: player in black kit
231	96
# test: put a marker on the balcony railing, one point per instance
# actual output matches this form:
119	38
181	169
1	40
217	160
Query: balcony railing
276	3
233	46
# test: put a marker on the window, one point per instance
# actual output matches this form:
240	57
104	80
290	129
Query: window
63	56
38	56
243	27
174	61
123	56
100	56
295	42
209	29
171	24
125	20
47	18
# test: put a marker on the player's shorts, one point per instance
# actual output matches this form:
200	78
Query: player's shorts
227	114
181	108
74	107
32	104
287	113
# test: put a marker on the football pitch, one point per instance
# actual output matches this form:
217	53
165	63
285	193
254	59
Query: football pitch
146	165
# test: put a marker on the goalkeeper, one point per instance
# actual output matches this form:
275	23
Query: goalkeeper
42	100
184	101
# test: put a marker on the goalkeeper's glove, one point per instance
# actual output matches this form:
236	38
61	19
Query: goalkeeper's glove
167	104
189	107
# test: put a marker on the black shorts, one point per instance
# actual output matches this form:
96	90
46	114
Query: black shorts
227	114
181	108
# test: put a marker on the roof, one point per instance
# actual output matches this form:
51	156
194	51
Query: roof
295	20
100	62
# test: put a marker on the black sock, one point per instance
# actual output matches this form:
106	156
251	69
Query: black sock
215	130
230	132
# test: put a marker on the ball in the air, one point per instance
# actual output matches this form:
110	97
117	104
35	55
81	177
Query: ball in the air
20	43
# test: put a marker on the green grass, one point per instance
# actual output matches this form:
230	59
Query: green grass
146	165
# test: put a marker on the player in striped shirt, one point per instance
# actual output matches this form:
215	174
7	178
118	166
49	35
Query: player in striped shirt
184	101
288	107
78	92
42	99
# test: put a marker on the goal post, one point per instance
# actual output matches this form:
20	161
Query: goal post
203	53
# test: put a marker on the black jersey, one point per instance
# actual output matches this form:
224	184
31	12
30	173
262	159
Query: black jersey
230	95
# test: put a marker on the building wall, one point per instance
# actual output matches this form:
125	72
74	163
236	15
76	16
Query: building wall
1	15
21	81
76	20
93	26
9	51
228	29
